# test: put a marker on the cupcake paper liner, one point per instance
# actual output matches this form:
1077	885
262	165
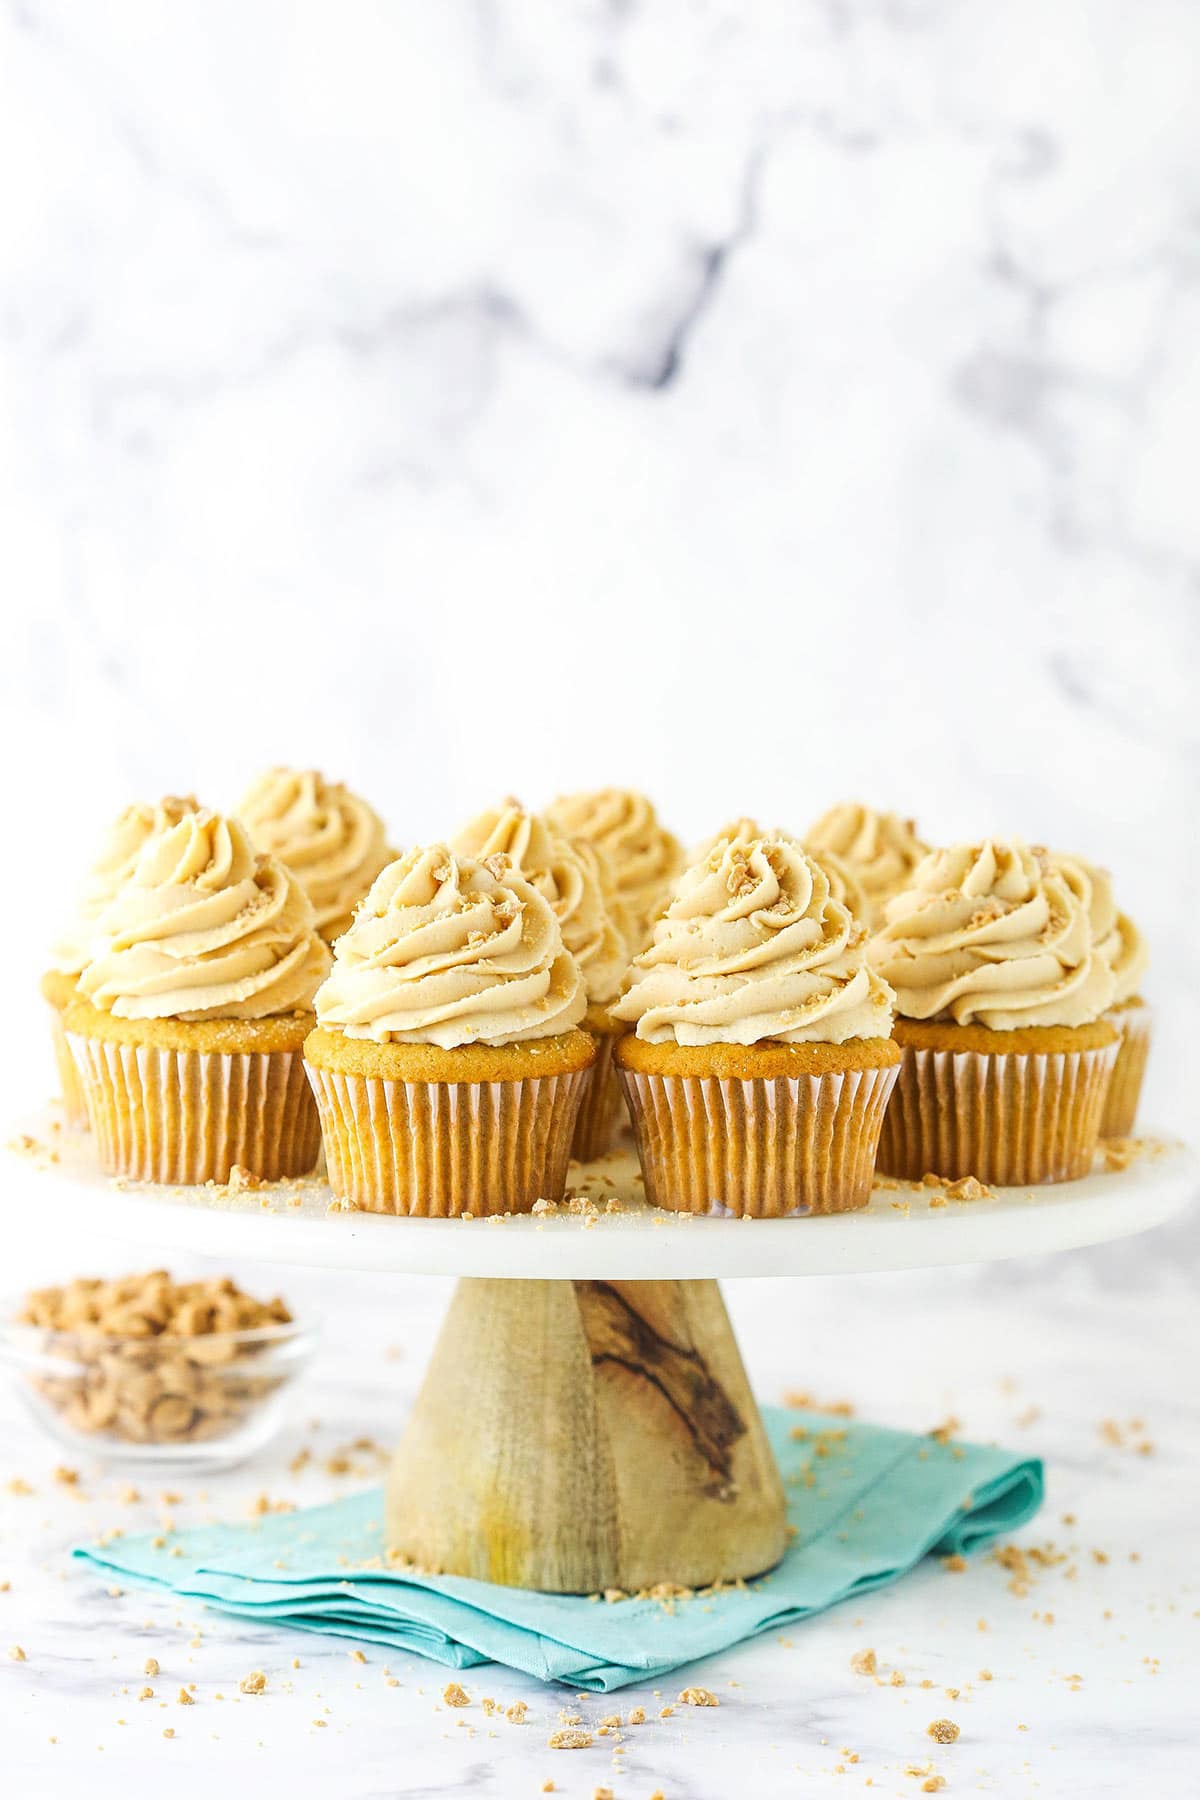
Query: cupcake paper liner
439	1149
189	1116
1135	1024
1012	1120
74	1101
764	1147
602	1109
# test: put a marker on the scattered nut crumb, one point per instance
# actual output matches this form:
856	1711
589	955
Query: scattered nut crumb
454	1695
863	1662
698	1696
253	1683
942	1731
570	1738
16	1654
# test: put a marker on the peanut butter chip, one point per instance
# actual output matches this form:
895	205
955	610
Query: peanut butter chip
149	1360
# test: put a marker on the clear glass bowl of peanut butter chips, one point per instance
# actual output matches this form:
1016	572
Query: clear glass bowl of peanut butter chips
144	1370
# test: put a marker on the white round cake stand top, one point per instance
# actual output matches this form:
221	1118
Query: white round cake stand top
903	1227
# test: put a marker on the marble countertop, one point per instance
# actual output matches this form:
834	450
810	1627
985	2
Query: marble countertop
1092	1666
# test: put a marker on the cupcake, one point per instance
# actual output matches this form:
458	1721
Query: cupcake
643	856
843	882
447	1063
1125	950
330	839
191	1012
761	1060
880	849
118	853
568	875
1001	991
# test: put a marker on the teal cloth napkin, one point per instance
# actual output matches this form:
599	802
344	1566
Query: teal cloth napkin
866	1503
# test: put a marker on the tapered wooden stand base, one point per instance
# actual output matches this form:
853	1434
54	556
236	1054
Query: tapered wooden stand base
581	1435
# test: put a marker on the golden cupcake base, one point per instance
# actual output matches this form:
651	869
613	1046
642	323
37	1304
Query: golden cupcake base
1016	1108
173	1100
192	1116
402	1136
771	1131
1135	1022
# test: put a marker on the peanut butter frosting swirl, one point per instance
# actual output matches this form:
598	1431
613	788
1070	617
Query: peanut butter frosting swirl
995	934
1116	936
843	882
880	848
644	857
754	947
205	928
334	843
451	951
568	875
114	864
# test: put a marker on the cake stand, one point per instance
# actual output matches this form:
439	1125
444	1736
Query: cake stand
586	1422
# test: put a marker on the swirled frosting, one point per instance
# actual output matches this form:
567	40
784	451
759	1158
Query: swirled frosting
755	947
568	875
205	928
451	951
1116	936
843	882
995	934
333	842
114	864
880	848
643	855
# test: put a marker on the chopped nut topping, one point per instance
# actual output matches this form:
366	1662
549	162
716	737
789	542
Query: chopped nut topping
570	1738
698	1696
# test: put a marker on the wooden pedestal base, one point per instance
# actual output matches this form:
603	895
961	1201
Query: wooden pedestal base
581	1435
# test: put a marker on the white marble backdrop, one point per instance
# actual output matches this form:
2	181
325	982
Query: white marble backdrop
762	404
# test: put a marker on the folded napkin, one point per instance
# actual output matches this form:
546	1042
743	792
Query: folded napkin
866	1504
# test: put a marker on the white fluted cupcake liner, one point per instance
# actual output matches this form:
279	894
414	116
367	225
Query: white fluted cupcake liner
1136	1025
778	1147
191	1116
1008	1119
440	1149
602	1109
73	1098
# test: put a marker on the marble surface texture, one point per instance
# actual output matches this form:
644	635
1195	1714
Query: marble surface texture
759	404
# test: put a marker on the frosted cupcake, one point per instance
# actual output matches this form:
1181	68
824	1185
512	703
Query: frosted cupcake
880	849
447	1063
761	1060
1127	954
333	842
192	1010
1001	992
118	853
844	884
642	854
567	874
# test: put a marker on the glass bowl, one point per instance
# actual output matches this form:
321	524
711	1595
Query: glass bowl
203	1402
